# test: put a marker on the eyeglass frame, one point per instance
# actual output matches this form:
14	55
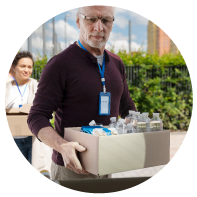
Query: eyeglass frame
95	17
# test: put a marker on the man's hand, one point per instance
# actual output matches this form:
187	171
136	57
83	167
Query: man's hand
69	154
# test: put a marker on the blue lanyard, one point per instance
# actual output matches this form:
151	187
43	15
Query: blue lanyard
101	71
19	88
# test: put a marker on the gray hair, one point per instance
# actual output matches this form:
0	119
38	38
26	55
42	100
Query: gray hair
81	9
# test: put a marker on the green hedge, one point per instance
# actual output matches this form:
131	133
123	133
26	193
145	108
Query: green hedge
156	95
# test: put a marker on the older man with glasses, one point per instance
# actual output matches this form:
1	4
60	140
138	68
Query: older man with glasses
84	82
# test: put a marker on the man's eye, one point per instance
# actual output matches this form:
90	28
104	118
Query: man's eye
105	21
92	19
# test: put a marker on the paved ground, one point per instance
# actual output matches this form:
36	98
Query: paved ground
176	139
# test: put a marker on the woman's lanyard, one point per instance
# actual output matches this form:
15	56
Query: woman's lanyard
20	91
104	97
101	71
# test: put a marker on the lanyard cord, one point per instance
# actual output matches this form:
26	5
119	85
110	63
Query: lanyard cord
101	71
19	88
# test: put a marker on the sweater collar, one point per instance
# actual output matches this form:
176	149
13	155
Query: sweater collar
92	57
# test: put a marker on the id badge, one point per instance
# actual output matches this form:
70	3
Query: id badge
104	103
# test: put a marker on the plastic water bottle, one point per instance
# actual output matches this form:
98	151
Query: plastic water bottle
93	123
134	120
156	123
141	124
130	128
120	126
145	115
113	122
129	117
161	124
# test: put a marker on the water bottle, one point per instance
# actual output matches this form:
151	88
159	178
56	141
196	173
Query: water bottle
113	122
93	123
120	126
129	117
141	124
130	128
161	124
145	115
134	119
156	123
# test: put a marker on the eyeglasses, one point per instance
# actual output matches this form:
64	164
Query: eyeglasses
93	19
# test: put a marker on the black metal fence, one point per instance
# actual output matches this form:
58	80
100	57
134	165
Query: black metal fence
171	76
164	77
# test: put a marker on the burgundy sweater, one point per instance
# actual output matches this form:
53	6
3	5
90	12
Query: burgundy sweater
70	85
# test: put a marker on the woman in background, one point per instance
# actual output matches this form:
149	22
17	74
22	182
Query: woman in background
21	90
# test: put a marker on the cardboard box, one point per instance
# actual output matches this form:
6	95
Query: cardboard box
17	120
119	153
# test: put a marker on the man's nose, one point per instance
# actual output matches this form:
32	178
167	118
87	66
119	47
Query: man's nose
98	25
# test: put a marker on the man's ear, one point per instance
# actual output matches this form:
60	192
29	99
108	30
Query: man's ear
77	21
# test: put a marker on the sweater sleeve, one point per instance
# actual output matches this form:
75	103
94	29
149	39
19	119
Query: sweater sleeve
48	96
126	102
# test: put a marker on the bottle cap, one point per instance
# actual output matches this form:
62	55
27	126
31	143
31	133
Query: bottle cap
113	118
92	123
155	114
145	113
121	120
137	113
131	111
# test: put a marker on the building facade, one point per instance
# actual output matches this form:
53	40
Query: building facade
159	41
152	35
173	48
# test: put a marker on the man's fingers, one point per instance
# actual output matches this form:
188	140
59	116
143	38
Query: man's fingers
80	148
72	168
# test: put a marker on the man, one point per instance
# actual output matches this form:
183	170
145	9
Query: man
70	85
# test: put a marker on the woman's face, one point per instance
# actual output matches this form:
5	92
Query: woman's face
23	69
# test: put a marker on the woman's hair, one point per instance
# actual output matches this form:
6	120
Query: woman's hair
20	55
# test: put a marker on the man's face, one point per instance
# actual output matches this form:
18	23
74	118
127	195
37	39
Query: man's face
95	34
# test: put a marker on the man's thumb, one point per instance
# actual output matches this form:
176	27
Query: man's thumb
80	148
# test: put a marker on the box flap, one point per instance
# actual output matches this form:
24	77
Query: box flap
157	148
24	109
12	111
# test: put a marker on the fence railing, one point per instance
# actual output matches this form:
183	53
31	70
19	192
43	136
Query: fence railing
180	74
